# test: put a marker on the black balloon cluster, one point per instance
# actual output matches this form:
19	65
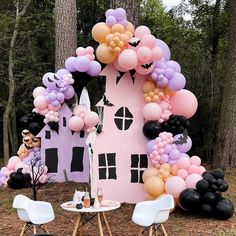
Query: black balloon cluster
33	122
18	180
207	198
175	125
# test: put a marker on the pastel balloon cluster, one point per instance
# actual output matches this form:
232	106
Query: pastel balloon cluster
142	51
83	119
190	170
51	116
114	16
84	62
167	73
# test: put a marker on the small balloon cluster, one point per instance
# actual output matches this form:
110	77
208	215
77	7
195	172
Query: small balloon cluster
83	119
175	125
206	198
84	62
116	16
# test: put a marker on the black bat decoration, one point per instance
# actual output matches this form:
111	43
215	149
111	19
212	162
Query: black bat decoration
55	77
183	138
107	102
134	44
147	66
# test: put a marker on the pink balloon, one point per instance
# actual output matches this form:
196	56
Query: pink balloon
141	31
54	108
89	50
183	163
80	51
20	165
91	119
117	66
144	70
43	112
79	109
10	166
182	173
195	160
128	59
175	185
201	170
152	111
40	102
38	91
14	160
157	54
144	54
76	123
184	103
148	40
192	179
193	169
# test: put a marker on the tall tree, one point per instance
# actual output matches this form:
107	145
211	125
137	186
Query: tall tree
225	152
132	8
9	112
66	31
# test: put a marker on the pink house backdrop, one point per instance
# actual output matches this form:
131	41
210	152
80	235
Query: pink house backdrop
119	153
65	153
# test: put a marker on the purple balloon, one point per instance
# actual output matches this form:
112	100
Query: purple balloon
174	154
185	147
110	21
95	68
165	49
50	80
174	65
123	22
163	82
60	73
60	97
184	155
70	64
164	159
169	73
150	145
172	162
120	13
70	92
55	103
110	12
82	64
51	97
177	82
167	149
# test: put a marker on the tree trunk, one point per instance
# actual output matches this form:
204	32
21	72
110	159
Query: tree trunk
132	8
225	151
66	31
14	142
11	85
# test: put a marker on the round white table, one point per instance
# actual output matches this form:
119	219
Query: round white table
110	206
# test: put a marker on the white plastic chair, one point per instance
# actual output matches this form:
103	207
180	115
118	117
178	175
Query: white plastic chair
153	213
33	213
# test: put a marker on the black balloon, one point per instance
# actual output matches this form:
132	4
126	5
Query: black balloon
24	121
218	173
152	129
223	187
35	128
206	209
206	172
213	188
190	199
219	182
209	198
224	209
54	126
210	178
202	186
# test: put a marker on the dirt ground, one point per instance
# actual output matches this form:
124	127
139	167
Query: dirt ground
180	223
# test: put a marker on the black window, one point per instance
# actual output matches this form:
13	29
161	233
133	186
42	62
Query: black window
64	121
138	164
81	134
47	134
107	166
77	163
123	118
51	159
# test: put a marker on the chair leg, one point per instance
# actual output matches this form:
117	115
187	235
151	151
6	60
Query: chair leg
163	229
34	229
23	229
150	231
140	231
45	228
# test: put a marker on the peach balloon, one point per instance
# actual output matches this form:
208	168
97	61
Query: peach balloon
166	167
148	197
184	103
192	180
128	59
118	28
100	31
148	86
129	27
152	111
175	185
104	55
154	186
174	169
150	172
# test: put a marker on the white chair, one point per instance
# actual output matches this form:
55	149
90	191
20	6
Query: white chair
151	214
34	213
